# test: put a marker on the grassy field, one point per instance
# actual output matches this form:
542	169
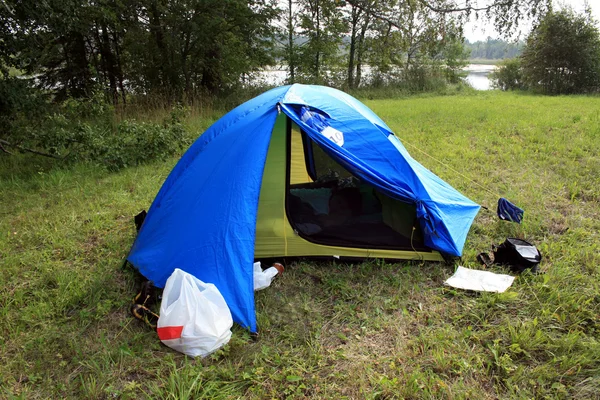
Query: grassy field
327	330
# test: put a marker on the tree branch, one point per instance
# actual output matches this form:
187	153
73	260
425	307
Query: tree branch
468	8
369	10
3	149
40	153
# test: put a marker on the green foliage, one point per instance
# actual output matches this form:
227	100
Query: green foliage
176	50
562	55
423	52
184	50
318	59
454	55
422	78
86	131
508	75
19	102
494	49
198	46
129	143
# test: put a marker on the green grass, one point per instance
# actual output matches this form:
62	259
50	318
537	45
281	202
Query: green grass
327	330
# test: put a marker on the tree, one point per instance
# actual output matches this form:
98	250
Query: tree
562	54
505	15
190	47
288	46
71	47
508	75
454	57
321	24
172	48
405	38
359	22
291	50
413	45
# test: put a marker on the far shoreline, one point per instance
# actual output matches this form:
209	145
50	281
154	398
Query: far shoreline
485	61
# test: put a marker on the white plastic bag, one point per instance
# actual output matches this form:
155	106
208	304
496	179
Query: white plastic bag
194	318
263	279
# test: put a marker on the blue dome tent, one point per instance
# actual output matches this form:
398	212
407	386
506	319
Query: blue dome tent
235	194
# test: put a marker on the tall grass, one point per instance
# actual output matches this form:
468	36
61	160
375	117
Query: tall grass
327	330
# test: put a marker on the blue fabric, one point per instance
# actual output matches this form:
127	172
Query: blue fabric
203	219
508	211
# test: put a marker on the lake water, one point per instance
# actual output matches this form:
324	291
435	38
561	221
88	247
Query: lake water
477	76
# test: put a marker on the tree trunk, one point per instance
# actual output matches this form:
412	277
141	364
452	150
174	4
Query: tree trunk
108	60
80	84
360	50
318	40
211	79
351	55
119	67
160	58
184	65
94	59
291	65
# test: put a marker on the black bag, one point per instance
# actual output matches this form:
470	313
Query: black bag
518	254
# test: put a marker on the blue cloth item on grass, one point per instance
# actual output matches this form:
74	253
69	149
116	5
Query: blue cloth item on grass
508	211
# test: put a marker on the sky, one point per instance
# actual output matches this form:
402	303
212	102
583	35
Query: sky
478	30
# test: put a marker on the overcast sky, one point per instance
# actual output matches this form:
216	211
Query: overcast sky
478	30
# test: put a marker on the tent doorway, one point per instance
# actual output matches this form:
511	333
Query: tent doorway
310	205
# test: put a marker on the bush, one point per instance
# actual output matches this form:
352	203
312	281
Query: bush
562	54
508	75
413	79
134	143
86	131
424	78
126	144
